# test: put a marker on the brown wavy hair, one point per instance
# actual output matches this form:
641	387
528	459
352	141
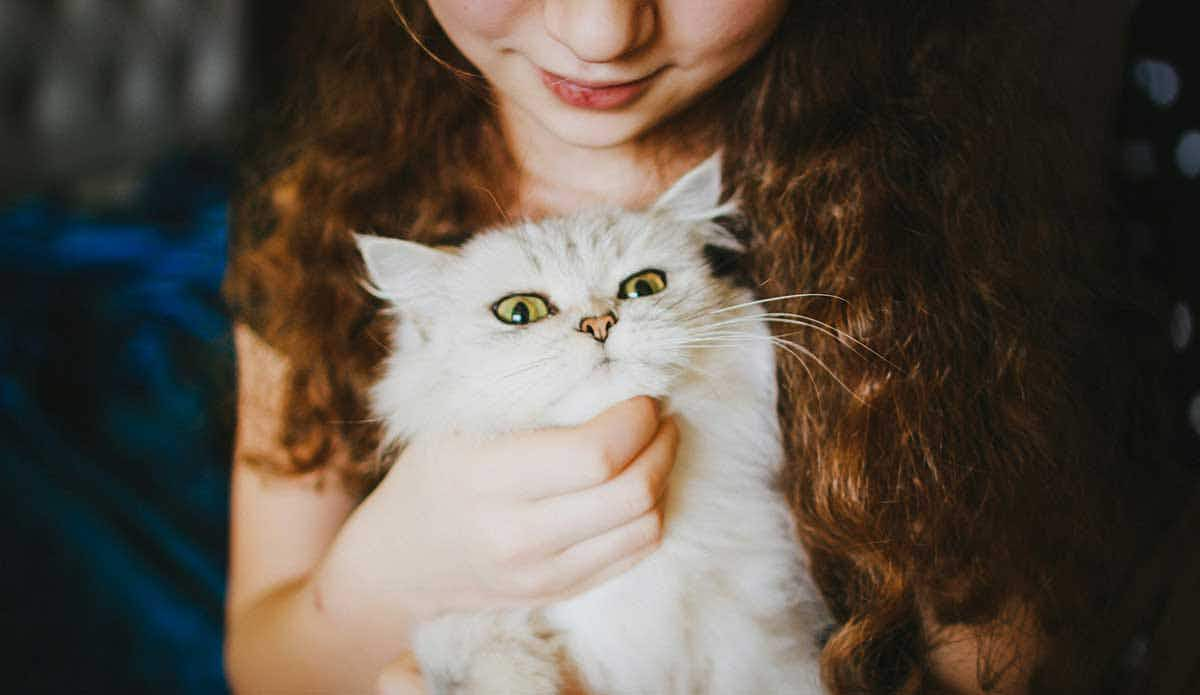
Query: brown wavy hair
900	155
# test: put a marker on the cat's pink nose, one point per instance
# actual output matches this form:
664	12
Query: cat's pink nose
598	326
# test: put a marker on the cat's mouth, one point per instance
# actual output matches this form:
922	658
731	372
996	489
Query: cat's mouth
606	364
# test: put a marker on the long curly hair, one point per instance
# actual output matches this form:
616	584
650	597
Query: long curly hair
900	155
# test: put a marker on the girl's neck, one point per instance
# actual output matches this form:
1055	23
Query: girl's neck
558	177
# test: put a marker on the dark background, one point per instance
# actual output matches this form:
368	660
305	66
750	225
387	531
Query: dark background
120	122
119	127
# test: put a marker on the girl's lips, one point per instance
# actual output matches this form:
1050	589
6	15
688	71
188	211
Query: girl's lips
595	96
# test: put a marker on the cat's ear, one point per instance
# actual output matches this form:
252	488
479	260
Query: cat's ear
398	270
696	196
724	233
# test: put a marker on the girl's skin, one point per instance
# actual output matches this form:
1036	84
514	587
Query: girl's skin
324	589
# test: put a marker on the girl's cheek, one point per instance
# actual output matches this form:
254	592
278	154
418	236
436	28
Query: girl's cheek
703	28
481	19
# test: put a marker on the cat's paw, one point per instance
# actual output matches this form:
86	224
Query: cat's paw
512	673
504	653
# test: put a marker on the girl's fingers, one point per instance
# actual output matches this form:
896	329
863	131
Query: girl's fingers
566	520
552	462
607	554
613	570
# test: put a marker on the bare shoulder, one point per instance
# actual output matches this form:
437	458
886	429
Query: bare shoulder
997	659
280	526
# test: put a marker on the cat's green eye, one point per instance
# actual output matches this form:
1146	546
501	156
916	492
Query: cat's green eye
520	309
643	283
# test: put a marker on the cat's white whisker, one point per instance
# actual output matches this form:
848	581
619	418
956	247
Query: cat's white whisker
363	421
816	324
525	368
805	295
378	342
812	378
504	399
783	317
496	202
738	339
730	339
519	369
507	398
714	335
789	345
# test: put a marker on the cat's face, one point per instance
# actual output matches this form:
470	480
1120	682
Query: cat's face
548	322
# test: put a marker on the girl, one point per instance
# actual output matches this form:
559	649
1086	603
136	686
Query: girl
959	502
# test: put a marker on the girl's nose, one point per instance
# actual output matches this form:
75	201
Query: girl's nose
599	31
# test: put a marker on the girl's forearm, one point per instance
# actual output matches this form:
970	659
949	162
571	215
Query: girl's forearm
289	641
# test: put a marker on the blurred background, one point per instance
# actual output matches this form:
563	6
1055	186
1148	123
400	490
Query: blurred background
119	129
119	126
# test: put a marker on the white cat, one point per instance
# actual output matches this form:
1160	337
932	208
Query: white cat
489	341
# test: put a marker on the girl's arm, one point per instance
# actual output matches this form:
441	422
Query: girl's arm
324	590
277	638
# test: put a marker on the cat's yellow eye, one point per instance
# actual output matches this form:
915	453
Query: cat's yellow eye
643	283
520	309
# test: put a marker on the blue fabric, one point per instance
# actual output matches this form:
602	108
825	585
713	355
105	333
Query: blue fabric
116	410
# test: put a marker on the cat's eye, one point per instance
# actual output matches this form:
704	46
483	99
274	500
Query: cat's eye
520	309
643	283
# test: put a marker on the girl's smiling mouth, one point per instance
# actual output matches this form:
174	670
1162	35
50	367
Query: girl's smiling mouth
596	95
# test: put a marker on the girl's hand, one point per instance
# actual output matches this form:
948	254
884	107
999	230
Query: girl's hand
462	524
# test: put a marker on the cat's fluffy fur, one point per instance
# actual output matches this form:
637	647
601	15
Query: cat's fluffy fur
725	606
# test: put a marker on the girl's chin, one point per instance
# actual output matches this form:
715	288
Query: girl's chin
602	129
599	137
595	129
